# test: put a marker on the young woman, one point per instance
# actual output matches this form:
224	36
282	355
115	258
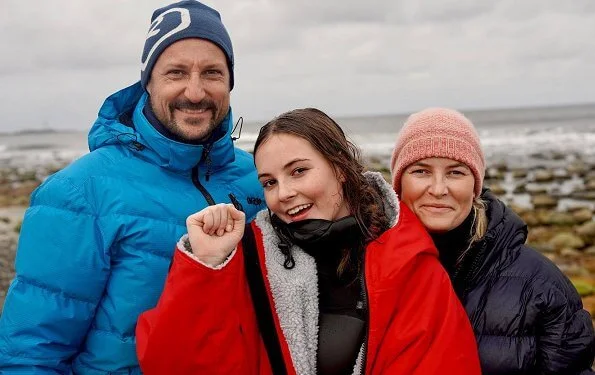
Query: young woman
527	316
337	277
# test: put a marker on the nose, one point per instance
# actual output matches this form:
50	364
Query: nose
194	88
438	186
285	191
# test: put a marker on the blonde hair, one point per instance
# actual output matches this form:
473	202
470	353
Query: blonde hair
478	227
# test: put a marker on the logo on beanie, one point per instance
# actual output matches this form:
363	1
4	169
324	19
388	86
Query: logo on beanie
184	22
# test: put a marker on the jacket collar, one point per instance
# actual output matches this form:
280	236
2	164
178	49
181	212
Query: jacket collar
142	138
502	242
295	291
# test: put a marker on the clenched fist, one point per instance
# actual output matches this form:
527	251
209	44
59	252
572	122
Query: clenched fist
214	232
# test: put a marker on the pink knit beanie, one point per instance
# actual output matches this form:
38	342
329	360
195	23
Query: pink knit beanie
438	133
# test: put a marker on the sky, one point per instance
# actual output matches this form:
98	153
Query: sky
59	59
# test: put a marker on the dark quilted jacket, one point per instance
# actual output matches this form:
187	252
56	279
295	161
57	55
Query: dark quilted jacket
527	316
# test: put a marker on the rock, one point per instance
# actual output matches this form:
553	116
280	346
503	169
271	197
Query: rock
587	229
566	240
540	156
543	175
540	234
500	166
583	287
519	210
588	262
583	195
494	174
590	185
551	256
570	254
589	304
544	248
518	173
570	269
556	218
577	168
497	189
530	218
561	174
536	189
520	189
582	215
543	201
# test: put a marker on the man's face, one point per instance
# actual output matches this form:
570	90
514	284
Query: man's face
189	88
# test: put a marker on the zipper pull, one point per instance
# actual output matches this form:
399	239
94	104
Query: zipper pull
235	202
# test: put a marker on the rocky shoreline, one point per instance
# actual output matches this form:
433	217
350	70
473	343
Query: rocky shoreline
555	197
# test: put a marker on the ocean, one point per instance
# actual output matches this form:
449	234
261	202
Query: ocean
519	137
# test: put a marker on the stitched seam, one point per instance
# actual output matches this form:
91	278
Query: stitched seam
55	290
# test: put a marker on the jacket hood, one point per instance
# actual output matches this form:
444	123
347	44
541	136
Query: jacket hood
121	122
504	236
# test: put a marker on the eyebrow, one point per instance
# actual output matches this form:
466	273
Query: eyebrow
286	166
184	65
454	165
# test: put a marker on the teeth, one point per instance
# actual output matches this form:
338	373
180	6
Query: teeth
297	209
192	111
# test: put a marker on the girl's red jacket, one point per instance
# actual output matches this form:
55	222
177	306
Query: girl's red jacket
205	321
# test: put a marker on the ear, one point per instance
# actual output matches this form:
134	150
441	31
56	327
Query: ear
341	177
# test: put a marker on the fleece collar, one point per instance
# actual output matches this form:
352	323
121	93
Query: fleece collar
295	291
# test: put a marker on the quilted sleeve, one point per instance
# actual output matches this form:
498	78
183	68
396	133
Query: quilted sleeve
62	265
566	342
204	322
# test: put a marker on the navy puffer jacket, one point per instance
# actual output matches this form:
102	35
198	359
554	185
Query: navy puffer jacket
527	316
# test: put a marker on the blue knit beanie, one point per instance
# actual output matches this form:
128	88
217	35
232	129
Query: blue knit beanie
184	19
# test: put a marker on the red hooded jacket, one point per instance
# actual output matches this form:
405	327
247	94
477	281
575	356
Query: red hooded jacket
205	321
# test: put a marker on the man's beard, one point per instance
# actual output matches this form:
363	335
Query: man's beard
205	104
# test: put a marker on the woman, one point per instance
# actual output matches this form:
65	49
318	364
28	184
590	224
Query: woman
527	316
335	278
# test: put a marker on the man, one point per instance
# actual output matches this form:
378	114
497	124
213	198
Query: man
97	240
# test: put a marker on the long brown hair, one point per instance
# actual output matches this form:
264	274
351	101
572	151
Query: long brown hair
326	136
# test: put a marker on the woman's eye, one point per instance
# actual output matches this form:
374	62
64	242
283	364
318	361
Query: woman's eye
268	183
299	171
419	171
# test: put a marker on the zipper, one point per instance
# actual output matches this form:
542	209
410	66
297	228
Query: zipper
236	203
200	187
196	179
206	156
366	307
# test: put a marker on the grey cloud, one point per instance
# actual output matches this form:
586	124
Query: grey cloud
346	56
426	11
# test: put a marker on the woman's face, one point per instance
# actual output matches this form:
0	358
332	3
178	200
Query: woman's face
439	191
299	183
